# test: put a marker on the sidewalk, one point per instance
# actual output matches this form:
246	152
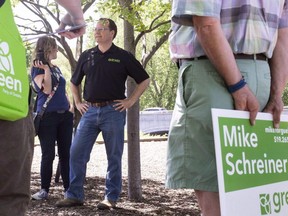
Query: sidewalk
153	160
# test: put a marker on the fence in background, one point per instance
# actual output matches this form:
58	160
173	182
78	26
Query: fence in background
155	123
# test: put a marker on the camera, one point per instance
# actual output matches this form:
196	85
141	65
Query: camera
40	56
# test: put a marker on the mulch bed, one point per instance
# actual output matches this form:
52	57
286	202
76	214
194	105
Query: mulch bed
156	200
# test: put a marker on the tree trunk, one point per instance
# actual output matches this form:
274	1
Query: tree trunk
134	167
79	49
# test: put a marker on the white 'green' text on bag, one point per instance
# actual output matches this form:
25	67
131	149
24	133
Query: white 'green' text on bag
14	83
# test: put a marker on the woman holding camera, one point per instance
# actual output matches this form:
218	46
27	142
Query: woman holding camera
56	125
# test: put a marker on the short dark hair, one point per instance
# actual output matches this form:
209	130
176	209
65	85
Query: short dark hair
112	26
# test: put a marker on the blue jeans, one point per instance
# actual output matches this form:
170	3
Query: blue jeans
95	120
55	127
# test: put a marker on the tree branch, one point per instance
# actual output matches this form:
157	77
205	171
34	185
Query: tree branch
146	58
150	30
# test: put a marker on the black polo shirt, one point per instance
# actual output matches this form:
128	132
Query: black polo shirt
106	73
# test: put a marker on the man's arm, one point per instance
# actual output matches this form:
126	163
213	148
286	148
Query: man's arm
73	17
279	76
75	13
218	50
82	107
128	102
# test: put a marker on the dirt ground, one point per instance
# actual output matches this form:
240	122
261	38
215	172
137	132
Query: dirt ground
156	199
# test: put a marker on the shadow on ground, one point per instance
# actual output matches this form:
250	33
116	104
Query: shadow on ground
156	200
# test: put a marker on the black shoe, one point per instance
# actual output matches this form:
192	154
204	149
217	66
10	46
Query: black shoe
68	202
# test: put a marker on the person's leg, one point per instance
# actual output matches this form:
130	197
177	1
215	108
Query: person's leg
82	144
64	139
191	156
112	126
16	150
209	203
47	137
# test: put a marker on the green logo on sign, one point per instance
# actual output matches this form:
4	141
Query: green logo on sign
265	204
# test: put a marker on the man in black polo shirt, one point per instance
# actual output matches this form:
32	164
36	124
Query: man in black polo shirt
105	68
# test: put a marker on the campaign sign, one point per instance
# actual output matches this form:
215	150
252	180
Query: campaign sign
252	164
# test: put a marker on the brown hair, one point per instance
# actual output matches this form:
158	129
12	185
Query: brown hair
45	44
112	26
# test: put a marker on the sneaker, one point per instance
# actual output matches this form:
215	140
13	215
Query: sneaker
68	202
41	195
106	204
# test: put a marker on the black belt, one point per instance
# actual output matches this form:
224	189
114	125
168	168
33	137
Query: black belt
260	57
100	104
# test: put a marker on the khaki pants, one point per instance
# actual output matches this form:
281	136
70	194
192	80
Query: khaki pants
16	153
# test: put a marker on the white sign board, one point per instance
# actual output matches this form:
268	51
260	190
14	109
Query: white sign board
252	164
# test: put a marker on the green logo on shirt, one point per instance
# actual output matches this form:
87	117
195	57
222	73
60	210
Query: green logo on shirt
114	60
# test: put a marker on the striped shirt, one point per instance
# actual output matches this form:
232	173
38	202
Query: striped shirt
250	26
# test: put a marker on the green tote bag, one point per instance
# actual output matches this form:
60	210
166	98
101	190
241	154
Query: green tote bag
14	82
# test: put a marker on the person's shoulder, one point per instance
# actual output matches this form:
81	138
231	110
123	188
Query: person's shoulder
121	51
88	51
116	48
37	70
85	55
